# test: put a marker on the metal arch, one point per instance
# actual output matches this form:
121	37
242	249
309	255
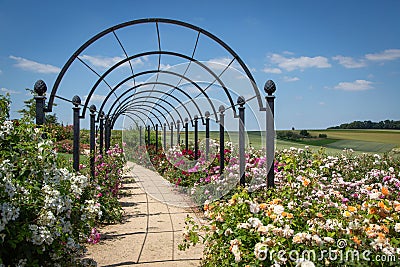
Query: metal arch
155	91
151	20
155	53
175	87
129	115
114	117
148	101
161	83
151	108
136	123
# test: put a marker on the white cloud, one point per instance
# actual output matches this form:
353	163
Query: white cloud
272	70
389	54
165	67
290	79
95	98
349	62
9	91
357	85
108	62
321	103
301	63
222	62
1	72
30	65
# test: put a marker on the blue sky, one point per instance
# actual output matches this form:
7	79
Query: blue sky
332	61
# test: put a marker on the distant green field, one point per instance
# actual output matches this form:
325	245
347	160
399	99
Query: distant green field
379	136
361	141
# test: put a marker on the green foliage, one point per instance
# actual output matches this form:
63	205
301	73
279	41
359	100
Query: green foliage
4	106
386	124
47	212
304	133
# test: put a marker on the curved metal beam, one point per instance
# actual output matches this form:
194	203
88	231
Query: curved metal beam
156	53
155	91
160	83
134	101
114	118
142	106
141	103
150	20
129	116
175	87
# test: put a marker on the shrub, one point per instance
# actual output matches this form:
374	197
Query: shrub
347	205
323	136
47	213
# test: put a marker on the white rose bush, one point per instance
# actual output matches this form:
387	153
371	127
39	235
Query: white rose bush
47	213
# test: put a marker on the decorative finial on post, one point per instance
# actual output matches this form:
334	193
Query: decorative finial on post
270	87
221	109
241	101
207	114
40	88
92	108
76	100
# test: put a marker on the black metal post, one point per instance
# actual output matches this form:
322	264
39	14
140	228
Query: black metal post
207	114
165	137
242	160
148	135
92	137
221	139
270	88
140	136
40	89
76	100
172	134
196	137
186	134
107	137
178	137
156	138
101	139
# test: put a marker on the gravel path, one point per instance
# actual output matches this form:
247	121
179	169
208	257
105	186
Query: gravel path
152	227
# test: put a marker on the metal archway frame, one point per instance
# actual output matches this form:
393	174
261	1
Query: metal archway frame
140	103
144	107
137	100
114	119
174	87
160	53
166	84
126	100
156	21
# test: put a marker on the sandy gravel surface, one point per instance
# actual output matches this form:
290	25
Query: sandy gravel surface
152	228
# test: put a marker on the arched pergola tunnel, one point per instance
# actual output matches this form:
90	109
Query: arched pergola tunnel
165	89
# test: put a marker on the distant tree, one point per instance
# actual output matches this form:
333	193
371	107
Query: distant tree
386	124
304	133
